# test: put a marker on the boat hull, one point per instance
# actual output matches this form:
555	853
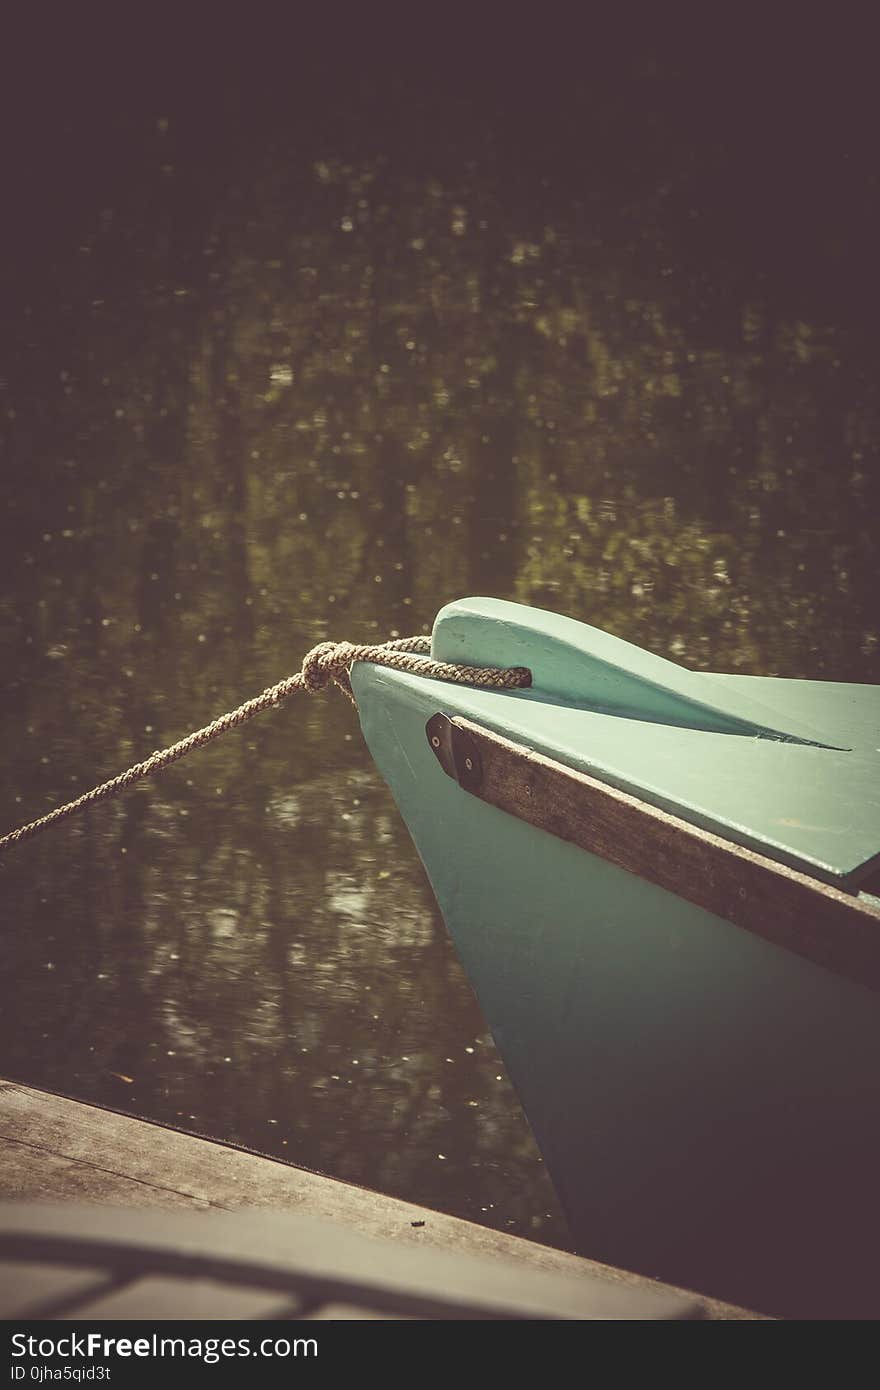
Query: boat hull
707	1102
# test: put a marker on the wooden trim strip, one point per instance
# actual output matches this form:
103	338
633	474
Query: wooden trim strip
837	930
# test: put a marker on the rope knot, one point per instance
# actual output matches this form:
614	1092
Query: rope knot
327	662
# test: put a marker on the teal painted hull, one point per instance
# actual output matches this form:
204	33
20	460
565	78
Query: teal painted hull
707	1103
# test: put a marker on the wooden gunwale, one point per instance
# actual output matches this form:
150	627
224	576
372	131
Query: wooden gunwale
837	930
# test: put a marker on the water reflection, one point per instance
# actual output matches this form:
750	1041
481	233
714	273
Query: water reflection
322	406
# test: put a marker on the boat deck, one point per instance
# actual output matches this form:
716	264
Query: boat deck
60	1151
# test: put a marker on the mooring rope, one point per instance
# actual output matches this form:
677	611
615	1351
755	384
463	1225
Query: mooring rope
326	663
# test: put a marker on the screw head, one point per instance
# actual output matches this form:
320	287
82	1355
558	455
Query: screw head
469	764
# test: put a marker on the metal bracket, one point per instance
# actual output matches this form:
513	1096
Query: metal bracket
456	751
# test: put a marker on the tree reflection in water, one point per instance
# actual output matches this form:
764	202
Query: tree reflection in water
321	403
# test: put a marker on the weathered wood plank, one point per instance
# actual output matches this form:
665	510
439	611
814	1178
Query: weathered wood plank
54	1148
837	930
33	1172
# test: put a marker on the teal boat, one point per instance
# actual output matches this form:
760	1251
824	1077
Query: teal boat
663	885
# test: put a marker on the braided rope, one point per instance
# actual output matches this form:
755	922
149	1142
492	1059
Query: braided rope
326	663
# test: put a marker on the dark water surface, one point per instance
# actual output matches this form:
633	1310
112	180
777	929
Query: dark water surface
260	397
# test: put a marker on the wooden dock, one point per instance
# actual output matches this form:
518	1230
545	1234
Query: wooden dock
60	1151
